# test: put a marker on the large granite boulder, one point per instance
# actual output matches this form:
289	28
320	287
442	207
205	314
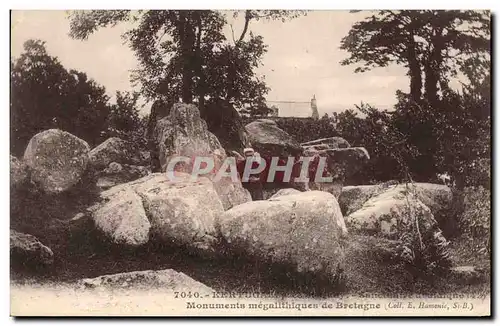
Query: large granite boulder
57	160
398	214
435	196
116	150
177	212
18	172
26	248
181	212
303	230
121	217
184	133
165	280
269	140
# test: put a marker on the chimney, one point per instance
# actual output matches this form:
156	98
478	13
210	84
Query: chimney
314	108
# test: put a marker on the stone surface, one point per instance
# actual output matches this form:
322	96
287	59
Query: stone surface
352	198
285	192
26	248
225	123
18	172
437	197
165	280
182	212
304	230
183	133
57	160
391	213
269	140
340	163
325	143
116	174
121	217
116	150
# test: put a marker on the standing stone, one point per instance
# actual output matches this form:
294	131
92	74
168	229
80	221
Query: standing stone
184	133
57	160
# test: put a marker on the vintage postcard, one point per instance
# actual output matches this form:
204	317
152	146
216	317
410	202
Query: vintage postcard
250	163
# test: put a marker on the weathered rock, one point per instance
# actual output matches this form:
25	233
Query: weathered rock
184	133
269	140
57	160
390	212
121	217
303	230
326	143
18	172
437	197
352	198
166	280
182	212
116	174
26	248
397	214
226	124
285	192
116	150
340	164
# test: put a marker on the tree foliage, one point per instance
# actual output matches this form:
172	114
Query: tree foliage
45	95
433	45
185	54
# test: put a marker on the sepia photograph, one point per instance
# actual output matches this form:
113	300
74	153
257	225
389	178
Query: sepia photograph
250	162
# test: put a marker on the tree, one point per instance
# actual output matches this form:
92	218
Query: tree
433	45
45	95
184	54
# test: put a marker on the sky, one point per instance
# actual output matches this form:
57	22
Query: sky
303	58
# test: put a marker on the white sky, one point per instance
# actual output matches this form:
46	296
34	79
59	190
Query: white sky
302	59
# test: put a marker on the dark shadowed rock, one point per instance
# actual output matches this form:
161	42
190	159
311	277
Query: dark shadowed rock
116	174
18	172
57	160
26	248
226	124
269	140
116	150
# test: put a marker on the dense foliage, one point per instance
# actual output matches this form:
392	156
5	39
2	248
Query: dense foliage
45	95
185	54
